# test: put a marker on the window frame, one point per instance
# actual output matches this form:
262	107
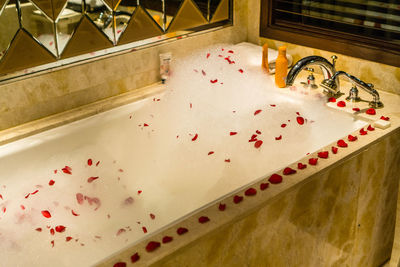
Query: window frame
336	41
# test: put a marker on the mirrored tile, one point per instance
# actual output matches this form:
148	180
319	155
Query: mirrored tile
39	25
3	4
187	17
8	26
102	16
122	15
171	10
67	21
221	11
156	9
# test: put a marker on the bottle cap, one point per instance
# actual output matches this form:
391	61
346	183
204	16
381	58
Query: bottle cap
282	48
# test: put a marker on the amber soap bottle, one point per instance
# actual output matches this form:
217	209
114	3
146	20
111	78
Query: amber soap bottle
281	67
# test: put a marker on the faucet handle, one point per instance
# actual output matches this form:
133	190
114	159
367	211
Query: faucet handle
370	85
334	58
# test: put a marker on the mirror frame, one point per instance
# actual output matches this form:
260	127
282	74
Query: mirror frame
326	39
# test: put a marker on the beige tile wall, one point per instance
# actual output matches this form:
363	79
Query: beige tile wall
384	77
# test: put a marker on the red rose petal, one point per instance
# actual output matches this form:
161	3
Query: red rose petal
313	161
120	231
258	132
67	170
181	230
253	138
227	160
272	105
68	238
135	257
91	179
385	118
34	192
240	70
139	192
363	132
203	219
195	137
1	196
264	186
258	143
27	195
52	243
301	166
221	207
60	228
79	198
233	133
52	232
237	199
250	192
275	179
370	111
278	138
332	99
356	109
144	229
97	163
351	138
145	125
46	213
341	143
370	128
341	104
210	153
208	55
74	213
167	239
120	264
214	81
38	229
152	216
22	207
51	182
283	125
300	120
334	150
288	171
323	154
89	162
203	72
257	112
230	51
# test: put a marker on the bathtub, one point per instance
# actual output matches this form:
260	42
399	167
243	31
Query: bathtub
113	187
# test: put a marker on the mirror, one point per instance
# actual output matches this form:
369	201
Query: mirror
66	31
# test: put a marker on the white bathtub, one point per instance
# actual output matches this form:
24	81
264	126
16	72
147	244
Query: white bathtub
161	169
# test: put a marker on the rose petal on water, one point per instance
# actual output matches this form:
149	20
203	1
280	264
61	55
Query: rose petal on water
68	238
227	160
210	153
240	70
144	229
52	232
258	132
51	182
283	125
89	162
79	198
60	228
300	120
233	133
46	214
275	179
278	138
91	179
257	112
214	81
258	143
152	216
195	137
38	229
74	213
67	170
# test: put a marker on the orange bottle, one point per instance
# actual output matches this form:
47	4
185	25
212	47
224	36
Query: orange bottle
281	67
264	63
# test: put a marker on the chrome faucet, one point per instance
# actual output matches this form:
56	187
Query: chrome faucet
331	84
328	69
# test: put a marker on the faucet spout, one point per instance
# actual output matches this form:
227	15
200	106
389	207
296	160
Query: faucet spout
328	69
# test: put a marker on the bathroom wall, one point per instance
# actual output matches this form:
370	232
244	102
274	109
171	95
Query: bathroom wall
42	95
384	77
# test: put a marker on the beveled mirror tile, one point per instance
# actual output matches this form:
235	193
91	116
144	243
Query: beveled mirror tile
67	22
122	15
85	39
140	27
171	10
58	6
188	16
3	4
155	9
24	52
102	16
8	27
203	6
44	5
222	12
39	26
